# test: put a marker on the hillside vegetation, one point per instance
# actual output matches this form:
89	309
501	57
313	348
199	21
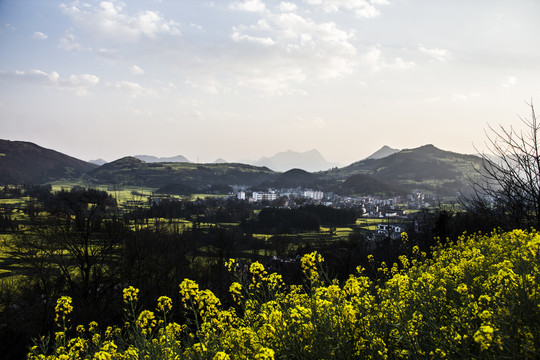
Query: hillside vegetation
24	162
423	168
132	171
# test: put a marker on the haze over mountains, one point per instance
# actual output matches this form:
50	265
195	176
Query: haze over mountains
425	168
310	161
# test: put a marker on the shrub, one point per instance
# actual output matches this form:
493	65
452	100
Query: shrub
477	298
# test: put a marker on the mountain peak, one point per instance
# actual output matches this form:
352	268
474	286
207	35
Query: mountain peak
99	161
383	152
310	160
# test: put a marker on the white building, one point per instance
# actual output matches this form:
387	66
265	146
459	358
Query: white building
262	196
385	229
315	195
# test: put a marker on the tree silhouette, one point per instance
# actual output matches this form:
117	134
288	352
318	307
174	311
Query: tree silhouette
510	174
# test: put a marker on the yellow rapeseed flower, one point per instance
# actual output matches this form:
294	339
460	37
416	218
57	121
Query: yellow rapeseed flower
130	294
164	303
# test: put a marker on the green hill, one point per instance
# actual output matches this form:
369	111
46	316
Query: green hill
292	179
27	163
132	171
362	184
425	168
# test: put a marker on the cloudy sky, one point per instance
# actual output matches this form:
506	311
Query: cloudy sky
241	79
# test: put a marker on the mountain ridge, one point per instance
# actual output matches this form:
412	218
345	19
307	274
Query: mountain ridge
155	159
425	168
23	162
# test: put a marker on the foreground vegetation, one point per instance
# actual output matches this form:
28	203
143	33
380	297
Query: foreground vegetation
476	298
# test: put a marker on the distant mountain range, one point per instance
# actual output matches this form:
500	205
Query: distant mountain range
99	161
425	168
310	161
148	159
154	159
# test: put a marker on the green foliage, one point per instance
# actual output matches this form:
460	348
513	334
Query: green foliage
478	298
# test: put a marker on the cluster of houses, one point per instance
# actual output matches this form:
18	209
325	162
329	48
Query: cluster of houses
393	209
271	194
370	206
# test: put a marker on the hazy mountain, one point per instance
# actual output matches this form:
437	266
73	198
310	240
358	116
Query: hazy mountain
219	161
25	162
154	159
98	162
383	152
310	161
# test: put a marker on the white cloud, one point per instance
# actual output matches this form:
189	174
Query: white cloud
131	88
399	63
361	8
374	59
236	36
275	84
248	5
437	54
110	54
303	42
69	42
6	28
204	83
287	7
111	21
79	83
136	70
510	81
464	97
39	35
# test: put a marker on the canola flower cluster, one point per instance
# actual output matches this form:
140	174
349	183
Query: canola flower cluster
478	298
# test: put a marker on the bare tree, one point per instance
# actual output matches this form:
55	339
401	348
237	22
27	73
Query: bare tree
510	173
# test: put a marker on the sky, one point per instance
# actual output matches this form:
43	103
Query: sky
242	79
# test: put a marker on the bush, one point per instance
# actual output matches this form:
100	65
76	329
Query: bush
477	298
